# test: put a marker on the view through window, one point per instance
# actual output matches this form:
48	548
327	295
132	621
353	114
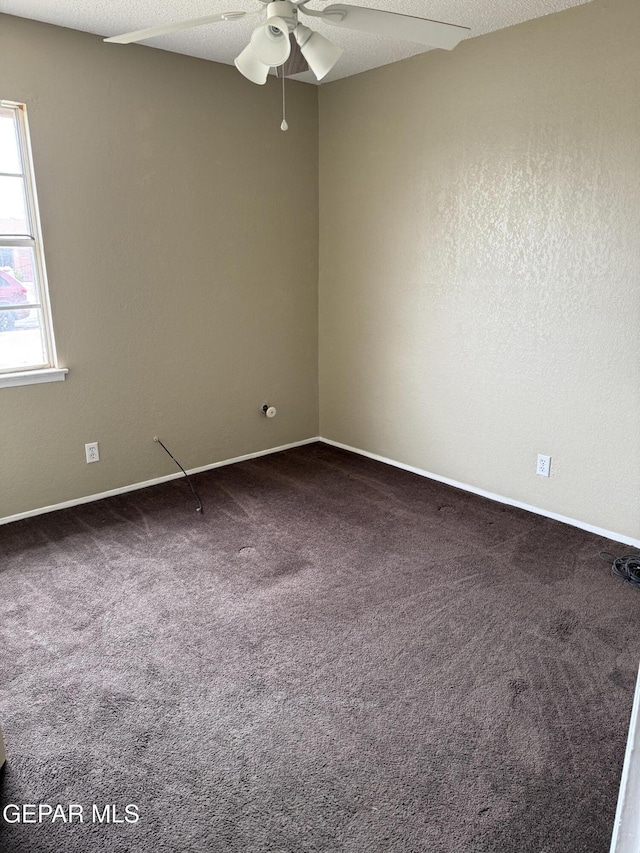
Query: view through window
26	340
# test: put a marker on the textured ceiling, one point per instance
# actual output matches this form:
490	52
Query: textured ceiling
223	41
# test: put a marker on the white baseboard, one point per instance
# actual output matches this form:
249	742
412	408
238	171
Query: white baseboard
583	525
134	486
626	827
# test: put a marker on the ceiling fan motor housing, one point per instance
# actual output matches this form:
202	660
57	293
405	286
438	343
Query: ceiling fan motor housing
285	10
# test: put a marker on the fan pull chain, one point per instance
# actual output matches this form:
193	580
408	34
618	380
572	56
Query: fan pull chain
284	125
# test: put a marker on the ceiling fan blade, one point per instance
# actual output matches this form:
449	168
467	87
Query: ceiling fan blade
152	32
392	24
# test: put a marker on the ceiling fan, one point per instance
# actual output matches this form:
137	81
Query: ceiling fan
281	42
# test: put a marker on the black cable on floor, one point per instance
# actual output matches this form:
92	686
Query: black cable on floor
199	506
626	567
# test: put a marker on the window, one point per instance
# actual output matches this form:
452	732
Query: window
27	349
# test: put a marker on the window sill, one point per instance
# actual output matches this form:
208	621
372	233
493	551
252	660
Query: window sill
33	377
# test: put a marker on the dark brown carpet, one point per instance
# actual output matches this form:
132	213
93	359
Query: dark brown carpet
339	656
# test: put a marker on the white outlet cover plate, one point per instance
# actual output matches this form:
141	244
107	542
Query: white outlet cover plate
91	452
544	465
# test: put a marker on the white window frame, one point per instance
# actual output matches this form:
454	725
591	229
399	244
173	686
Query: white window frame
48	370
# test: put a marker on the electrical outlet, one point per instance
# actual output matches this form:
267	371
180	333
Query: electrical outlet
91	452
543	468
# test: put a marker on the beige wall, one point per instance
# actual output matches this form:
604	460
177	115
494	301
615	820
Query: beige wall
480	262
180	228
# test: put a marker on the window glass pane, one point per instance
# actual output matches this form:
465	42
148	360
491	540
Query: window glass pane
22	341
18	270
13	208
9	150
26	339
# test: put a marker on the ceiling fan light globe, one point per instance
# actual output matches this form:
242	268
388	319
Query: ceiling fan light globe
250	66
320	53
270	43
